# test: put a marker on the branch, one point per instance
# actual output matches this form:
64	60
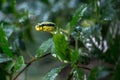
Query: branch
28	64
84	67
94	63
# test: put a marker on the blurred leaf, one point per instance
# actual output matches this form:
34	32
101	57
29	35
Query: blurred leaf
74	56
53	50
104	74
45	1
4	22
62	47
19	64
77	16
53	73
44	47
113	40
94	73
87	23
78	74
4	43
116	75
13	6
95	7
2	74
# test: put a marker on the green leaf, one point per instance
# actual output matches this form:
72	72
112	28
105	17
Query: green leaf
78	74
61	46
77	16
53	73
4	43
19	64
53	50
3	74
44	47
45	2
74	56
94	73
13	6
116	75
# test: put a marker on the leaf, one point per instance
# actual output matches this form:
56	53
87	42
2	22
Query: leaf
44	47
77	16
74	56
53	73
4	43
2	74
53	50
45	2
78	74
13	6
19	64
113	41
61	46
94	73
116	75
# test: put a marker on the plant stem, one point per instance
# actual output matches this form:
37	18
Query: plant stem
76	44
70	74
28	64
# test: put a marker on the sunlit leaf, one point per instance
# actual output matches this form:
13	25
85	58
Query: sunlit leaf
61	46
44	47
4	43
53	74
19	64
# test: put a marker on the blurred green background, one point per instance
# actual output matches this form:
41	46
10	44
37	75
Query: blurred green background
19	19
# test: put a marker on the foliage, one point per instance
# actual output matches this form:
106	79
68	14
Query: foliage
4	43
89	45
53	74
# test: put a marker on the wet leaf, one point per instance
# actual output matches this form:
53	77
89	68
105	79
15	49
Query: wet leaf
61	46
19	64
4	43
53	74
78	74
44	47
77	16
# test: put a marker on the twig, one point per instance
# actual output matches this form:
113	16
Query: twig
69	77
28	64
96	63
84	67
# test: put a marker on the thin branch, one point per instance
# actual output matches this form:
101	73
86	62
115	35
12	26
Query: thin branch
96	63
70	75
84	67
28	64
